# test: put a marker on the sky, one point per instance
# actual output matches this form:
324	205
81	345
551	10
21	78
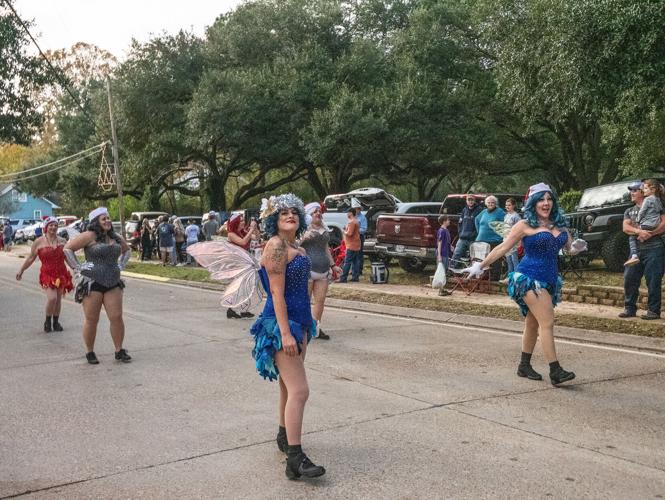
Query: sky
112	25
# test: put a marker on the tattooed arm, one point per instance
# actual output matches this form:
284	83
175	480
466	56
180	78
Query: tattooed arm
275	258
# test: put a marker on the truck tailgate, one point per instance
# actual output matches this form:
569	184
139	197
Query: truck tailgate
408	230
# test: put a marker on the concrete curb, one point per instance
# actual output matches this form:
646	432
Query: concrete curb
609	339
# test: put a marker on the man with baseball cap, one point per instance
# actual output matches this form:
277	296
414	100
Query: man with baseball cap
211	226
467	229
651	265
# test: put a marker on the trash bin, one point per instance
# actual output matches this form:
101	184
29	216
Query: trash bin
380	273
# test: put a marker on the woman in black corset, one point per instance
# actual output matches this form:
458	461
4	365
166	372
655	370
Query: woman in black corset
99	283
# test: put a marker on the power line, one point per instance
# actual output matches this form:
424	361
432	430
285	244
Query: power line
19	178
98	146
56	73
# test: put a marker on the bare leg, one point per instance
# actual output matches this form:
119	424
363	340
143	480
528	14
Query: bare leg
530	335
58	304
292	374
113	307
51	301
92	304
283	396
319	290
540	306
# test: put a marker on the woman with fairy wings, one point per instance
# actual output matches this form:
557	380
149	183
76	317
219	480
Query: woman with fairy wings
285	326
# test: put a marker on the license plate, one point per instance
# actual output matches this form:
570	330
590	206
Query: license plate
399	248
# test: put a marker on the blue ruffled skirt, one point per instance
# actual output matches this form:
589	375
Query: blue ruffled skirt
519	284
268	340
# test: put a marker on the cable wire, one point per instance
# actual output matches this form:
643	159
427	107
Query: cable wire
12	174
19	178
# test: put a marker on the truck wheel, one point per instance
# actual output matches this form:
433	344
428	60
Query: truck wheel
412	264
615	252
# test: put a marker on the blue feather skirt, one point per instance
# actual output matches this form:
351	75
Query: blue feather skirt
268	340
519	284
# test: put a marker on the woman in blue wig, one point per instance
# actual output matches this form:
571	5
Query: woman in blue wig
536	285
285	326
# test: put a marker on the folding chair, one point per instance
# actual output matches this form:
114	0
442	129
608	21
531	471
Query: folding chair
477	253
572	264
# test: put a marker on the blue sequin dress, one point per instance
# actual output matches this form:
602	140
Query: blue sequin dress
265	330
539	269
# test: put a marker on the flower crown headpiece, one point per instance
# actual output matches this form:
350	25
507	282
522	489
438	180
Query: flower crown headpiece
276	203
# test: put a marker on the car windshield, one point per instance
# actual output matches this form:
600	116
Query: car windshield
454	205
603	196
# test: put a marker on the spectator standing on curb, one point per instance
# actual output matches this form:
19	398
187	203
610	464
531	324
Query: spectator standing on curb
211	226
2	237
648	218
362	228
155	236
166	241
192	234
492	213
510	219
651	265
7	234
179	241
443	247
146	241
352	242
467	228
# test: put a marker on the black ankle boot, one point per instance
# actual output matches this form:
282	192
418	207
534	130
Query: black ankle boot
282	443
524	369
231	314
57	327
47	324
298	464
558	375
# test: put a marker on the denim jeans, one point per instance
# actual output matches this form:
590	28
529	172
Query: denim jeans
352	259
461	251
512	260
651	266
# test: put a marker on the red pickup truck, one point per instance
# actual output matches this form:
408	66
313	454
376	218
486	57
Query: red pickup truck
411	237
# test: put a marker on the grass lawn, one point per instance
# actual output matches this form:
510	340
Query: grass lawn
595	276
180	273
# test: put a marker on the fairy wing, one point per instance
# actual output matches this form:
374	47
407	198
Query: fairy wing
500	228
228	262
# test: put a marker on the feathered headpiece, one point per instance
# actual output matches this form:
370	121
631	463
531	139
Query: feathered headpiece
276	203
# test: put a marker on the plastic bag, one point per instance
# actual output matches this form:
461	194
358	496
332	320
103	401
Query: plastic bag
439	280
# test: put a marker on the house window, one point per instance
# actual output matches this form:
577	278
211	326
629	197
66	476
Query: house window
18	196
38	215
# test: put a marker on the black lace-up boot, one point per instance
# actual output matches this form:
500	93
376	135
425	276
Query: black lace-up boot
57	327
526	370
299	465
558	375
47	324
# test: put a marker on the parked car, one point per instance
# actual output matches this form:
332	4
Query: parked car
373	202
65	220
18	228
32	231
65	231
411	237
598	218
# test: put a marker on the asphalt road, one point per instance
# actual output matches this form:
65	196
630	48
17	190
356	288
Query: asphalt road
399	408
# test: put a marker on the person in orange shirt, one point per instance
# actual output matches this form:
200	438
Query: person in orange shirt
352	241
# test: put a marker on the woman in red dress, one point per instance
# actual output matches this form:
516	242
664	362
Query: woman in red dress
53	276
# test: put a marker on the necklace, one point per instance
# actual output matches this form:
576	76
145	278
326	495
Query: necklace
548	224
51	243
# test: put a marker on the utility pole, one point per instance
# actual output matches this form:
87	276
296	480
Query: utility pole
116	162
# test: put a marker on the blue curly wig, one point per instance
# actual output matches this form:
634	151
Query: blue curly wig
557	215
270	224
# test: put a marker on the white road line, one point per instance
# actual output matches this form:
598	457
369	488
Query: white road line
499	332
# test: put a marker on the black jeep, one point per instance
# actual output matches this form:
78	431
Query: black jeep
599	219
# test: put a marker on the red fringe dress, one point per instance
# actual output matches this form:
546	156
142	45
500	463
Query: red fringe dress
53	273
